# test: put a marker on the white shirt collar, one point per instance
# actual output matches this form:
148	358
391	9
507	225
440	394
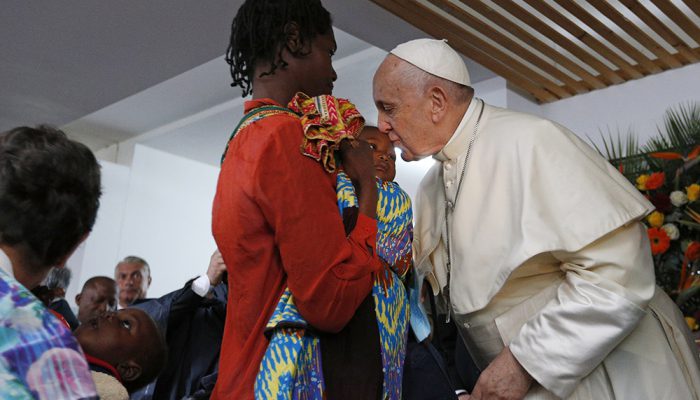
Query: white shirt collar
6	264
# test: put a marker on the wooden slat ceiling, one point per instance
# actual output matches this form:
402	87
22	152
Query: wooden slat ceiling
554	49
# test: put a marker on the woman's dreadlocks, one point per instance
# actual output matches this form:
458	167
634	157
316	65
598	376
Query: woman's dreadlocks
258	35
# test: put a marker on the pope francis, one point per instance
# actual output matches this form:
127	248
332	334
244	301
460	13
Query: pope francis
535	242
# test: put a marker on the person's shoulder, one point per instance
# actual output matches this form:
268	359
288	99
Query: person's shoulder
393	188
19	305
430	178
268	131
523	123
276	120
522	129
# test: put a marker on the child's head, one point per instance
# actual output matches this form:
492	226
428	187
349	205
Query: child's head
129	341
99	295
273	37
384	153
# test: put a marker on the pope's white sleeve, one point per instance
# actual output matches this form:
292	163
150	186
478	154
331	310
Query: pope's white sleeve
602	298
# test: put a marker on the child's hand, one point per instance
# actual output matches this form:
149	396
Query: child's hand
358	161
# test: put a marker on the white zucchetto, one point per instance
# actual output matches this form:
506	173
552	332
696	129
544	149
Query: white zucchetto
435	57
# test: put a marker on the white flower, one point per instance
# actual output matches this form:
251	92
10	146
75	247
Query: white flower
678	198
672	231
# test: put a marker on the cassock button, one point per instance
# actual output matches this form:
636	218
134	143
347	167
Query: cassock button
448	165
448	184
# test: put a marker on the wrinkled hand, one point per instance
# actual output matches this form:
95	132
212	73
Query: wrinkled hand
358	161
503	379
216	269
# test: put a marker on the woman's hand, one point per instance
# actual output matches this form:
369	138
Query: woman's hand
358	163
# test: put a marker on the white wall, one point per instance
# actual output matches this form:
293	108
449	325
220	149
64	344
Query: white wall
98	254
167	220
158	209
637	105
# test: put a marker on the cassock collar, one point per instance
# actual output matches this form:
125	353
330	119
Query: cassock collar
458	142
6	264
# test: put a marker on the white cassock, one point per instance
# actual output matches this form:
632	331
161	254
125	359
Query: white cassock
549	257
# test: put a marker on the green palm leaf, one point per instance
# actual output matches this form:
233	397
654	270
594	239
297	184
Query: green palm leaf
681	130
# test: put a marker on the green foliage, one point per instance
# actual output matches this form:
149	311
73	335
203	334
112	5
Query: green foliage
678	137
681	129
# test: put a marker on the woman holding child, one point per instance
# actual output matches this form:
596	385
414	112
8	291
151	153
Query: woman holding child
316	308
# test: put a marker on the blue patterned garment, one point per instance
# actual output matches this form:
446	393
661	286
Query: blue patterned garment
39	357
291	367
394	238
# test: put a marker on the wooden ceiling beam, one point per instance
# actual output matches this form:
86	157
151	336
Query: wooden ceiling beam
426	20
693	5
572	85
627	71
684	51
591	81
507	59
517	11
679	18
635	32
644	64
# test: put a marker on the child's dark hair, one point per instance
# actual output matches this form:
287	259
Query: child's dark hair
49	193
152	361
258	34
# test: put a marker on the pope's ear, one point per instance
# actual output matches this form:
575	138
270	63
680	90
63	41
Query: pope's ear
129	370
438	103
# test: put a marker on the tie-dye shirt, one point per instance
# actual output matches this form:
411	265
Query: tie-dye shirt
39	357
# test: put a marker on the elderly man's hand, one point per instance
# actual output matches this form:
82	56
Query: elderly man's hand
503	379
216	268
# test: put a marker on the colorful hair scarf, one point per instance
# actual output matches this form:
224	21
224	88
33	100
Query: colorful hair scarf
326	121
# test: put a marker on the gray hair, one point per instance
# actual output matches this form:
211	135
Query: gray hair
135	260
58	278
422	80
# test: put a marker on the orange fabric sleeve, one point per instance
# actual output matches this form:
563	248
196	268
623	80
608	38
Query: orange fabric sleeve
328	273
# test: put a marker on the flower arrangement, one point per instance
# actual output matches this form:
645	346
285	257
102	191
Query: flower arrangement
667	171
674	227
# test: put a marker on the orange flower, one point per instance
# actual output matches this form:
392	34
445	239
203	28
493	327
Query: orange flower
692	253
655	181
659	239
665	155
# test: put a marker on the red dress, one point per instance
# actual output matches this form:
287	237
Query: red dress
276	223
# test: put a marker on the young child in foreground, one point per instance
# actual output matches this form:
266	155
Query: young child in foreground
125	351
385	317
